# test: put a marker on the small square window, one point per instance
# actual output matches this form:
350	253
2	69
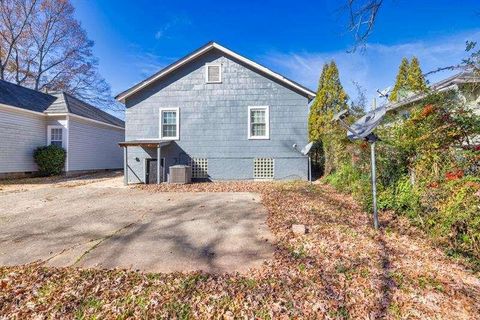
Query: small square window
214	73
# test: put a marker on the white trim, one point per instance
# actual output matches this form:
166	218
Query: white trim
122	96
160	123
62	114
267	123
13	108
73	115
219	65
67	142
49	134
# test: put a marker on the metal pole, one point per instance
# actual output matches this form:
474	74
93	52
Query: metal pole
159	159
374	186
309	169
125	166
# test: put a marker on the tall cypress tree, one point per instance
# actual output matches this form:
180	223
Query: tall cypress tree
330	98
415	78
401	83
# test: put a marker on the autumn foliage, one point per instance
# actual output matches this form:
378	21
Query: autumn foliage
340	269
428	170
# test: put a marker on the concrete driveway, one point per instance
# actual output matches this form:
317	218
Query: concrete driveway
100	223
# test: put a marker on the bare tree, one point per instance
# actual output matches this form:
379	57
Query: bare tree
45	48
15	17
362	17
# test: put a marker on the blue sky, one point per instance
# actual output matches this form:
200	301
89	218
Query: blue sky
134	39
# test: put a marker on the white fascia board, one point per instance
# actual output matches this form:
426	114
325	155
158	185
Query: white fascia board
249	62
72	115
20	110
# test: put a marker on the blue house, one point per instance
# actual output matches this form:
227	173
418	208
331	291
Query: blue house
226	116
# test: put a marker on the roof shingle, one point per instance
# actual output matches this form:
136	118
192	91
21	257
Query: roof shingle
25	98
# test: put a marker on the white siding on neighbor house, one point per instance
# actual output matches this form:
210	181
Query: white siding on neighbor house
20	133
93	146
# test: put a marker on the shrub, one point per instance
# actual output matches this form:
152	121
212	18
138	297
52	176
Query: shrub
458	218
427	170
50	159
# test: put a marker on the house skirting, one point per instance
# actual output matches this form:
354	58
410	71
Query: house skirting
82	172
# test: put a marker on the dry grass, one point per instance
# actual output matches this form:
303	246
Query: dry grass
340	269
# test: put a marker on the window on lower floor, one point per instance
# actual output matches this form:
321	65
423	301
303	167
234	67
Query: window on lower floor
263	168
199	168
56	136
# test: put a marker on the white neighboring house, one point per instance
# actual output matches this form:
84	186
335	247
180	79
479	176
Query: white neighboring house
29	119
466	84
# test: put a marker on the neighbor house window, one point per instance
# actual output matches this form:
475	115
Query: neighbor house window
213	73
169	123
263	168
199	168
258	122
55	136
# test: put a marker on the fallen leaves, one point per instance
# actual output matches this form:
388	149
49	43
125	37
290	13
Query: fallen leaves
340	269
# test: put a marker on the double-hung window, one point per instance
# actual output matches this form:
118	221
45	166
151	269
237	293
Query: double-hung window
258	122
55	135
169	123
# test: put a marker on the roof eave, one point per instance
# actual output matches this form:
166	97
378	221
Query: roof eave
211	45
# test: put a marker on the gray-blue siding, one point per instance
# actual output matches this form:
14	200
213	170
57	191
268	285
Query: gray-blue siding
214	121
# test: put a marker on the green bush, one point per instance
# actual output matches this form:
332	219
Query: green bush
401	197
458	216
50	159
351	179
427	170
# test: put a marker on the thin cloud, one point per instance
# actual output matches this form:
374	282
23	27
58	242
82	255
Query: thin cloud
177	20
377	67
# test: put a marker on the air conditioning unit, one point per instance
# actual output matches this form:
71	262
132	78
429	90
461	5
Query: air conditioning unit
180	174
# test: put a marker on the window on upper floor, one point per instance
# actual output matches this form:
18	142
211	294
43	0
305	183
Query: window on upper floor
213	73
55	135
258	122
169	123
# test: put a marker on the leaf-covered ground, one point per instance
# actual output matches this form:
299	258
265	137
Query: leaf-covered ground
341	268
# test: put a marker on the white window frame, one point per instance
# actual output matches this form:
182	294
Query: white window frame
161	111
219	65
49	134
267	123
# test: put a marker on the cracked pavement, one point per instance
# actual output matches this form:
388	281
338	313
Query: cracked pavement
100	223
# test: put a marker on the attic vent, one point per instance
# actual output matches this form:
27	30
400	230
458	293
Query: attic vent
199	168
263	168
214	73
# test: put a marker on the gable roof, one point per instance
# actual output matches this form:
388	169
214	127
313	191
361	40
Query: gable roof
204	49
67	103
445	84
24	98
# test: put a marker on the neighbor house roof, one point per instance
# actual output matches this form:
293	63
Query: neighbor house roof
21	97
204	49
446	84
58	103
